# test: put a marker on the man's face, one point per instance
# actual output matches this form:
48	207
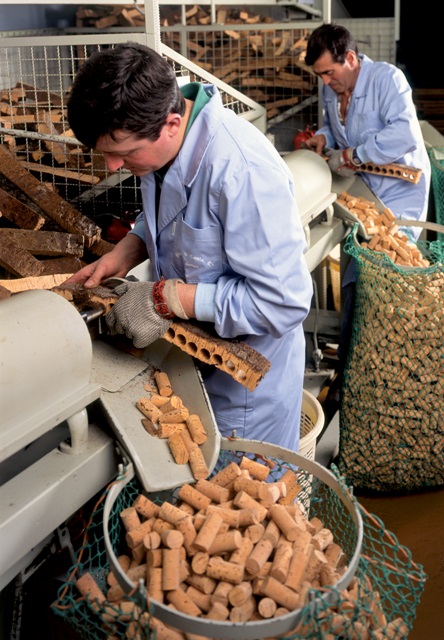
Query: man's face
340	77
139	155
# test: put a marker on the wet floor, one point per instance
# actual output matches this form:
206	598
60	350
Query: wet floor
417	520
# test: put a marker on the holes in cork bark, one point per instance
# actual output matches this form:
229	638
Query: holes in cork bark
241	375
171	334
205	355
217	359
192	347
181	339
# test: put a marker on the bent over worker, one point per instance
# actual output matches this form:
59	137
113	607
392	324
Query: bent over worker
220	224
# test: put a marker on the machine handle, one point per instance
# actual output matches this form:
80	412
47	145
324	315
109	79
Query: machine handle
89	315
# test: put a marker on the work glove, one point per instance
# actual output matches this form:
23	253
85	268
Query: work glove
145	310
343	162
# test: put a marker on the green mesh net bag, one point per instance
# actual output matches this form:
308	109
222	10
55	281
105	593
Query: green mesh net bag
392	402
378	602
436	155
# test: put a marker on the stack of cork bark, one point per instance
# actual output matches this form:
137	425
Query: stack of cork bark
106	16
31	109
43	238
265	64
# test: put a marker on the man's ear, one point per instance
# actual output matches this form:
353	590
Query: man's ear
352	58
173	122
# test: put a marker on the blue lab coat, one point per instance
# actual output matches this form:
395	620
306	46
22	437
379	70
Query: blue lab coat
227	217
383	126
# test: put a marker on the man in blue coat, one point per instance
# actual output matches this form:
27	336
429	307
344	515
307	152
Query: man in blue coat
220	226
369	116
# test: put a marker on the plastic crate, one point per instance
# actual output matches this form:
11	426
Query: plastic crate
312	423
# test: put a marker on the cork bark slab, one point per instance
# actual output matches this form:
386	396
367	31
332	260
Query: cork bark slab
19	213
45	243
17	260
243	363
81	298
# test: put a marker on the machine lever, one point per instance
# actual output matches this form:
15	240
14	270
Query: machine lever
89	315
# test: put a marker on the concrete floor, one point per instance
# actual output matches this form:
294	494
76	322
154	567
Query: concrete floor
417	520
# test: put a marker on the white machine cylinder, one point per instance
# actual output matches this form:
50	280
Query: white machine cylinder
313	181
45	366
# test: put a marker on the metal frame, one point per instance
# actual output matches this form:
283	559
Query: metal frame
47	55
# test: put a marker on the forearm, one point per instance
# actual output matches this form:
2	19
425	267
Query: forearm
187	295
129	252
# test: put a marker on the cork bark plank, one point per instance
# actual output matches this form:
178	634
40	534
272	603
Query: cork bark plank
46	243
65	264
101	247
81	298
4	293
17	260
46	127
51	203
19	213
17	285
30	92
63	173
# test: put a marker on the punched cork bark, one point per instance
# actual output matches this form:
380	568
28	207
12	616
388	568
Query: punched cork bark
243	363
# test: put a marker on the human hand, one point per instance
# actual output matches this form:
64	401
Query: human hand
315	143
93	274
126	254
341	161
135	316
144	311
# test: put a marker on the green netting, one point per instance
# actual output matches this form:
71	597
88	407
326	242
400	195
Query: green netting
436	155
379	603
392	401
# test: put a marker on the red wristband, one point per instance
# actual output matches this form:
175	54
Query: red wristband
159	302
348	164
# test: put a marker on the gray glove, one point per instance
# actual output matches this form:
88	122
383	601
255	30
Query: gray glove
135	314
343	162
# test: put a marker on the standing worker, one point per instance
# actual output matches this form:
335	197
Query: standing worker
220	226
369	116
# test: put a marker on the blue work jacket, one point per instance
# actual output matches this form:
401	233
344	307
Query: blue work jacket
383	126
227	216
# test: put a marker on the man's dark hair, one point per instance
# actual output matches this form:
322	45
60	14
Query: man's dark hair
333	38
129	87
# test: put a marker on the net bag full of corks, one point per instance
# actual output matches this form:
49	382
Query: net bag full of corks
380	601
392	399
